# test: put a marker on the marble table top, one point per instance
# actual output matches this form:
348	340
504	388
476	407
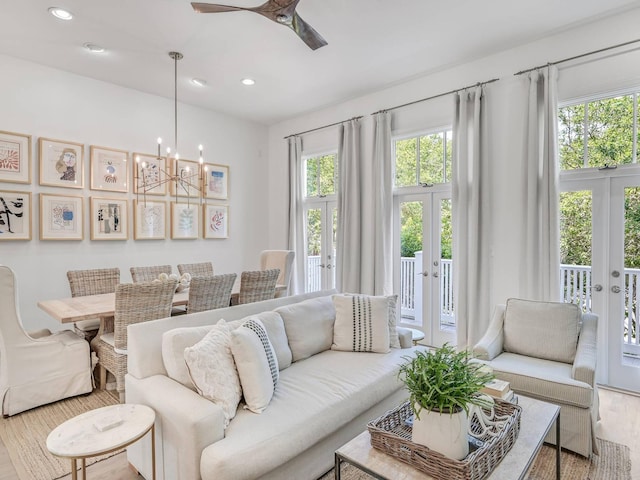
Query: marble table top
81	436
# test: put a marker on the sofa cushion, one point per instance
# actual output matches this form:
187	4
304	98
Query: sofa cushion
543	379
547	330
309	326
256	362
213	370
362	323
173	344
333	388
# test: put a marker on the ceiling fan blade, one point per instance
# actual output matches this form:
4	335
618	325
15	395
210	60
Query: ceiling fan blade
214	8
307	33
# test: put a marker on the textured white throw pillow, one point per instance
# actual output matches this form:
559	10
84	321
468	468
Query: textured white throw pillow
362	323
213	371
256	362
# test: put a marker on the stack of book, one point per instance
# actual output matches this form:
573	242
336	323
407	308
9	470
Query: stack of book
498	389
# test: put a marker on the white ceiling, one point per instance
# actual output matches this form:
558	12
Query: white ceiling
371	44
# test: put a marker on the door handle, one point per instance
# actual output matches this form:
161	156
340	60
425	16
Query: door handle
424	274
615	289
434	274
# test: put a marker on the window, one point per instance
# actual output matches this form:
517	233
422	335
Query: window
598	133
321	172
423	159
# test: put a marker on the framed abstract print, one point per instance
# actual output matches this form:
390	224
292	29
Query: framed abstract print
187	179
61	217
61	163
185	221
15	215
149	172
216	181
215	221
15	157
109	169
150	220
109	219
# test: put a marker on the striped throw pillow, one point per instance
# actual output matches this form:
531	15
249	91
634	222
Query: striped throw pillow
362	323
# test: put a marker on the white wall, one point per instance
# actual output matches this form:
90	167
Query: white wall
44	102
505	100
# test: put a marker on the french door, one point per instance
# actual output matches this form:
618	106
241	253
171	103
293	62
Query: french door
423	270
320	245
605	277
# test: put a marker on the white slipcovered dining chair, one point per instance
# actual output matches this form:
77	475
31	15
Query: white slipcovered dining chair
37	368
282	259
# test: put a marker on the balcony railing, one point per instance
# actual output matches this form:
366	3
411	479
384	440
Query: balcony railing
575	284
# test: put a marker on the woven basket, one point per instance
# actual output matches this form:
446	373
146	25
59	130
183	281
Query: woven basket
391	435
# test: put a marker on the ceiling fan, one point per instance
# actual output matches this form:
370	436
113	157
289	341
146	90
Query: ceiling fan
280	11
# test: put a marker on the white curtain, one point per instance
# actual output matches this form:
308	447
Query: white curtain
540	266
383	206
349	235
471	205
296	221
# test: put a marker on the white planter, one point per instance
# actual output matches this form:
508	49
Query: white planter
442	432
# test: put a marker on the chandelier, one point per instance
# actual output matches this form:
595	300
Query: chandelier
184	176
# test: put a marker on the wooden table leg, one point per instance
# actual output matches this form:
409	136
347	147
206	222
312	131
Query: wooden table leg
336	471
74	469
558	447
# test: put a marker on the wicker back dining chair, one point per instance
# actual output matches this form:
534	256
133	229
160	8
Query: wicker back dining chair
135	303
203	268
210	292
255	286
146	274
91	282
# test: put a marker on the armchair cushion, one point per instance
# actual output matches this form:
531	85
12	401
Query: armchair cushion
545	330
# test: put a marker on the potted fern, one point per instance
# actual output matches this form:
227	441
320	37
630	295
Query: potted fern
443	385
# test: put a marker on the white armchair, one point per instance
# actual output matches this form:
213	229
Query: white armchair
37	369
547	350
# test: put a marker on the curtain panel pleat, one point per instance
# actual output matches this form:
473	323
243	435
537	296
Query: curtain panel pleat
540	272
471	211
349	234
296	221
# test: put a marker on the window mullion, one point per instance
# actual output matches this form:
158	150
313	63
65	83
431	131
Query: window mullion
585	148
417	160
634	151
444	157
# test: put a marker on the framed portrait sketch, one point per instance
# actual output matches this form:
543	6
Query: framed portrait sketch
61	163
60	217
149	174
216	181
109	169
109	219
215	221
185	221
15	157
15	215
150	220
187	174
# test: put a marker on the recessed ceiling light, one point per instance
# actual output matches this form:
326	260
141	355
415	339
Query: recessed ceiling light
93	48
198	82
60	13
248	81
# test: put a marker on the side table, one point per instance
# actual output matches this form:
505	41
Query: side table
416	335
102	431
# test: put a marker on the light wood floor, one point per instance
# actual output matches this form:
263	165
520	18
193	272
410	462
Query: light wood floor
620	423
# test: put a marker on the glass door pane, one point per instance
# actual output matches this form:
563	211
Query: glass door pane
411	214
313	228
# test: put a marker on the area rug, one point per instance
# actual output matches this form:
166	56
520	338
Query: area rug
25	435
613	463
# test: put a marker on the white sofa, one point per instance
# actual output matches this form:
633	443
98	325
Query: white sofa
320	402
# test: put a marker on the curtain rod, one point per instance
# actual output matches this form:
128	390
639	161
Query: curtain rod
437	96
320	128
575	57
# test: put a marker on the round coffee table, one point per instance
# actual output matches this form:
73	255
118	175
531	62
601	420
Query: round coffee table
102	431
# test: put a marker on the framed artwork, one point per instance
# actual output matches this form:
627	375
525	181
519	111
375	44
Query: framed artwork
15	157
150	220
109	169
185	221
216	181
60	217
149	174
15	215
109	219
187	180
61	163
216	221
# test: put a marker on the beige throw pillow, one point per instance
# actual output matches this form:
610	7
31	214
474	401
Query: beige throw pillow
213	371
362	323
